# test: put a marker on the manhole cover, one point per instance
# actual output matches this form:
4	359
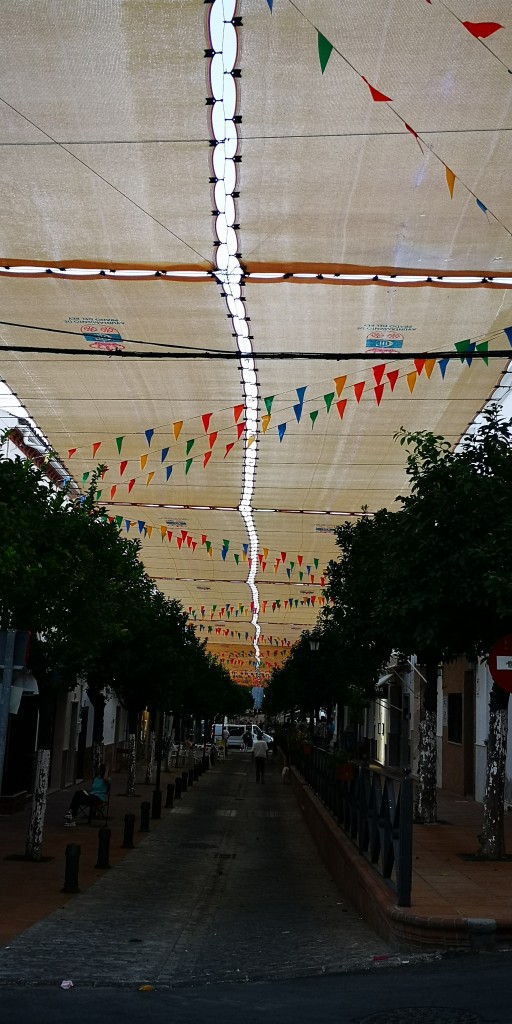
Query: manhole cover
422	1015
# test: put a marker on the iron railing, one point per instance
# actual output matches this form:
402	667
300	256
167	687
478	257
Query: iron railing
374	809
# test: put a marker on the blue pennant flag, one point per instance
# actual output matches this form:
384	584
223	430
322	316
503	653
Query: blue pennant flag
443	363
168	471
300	394
298	412
508	332
149	435
281	430
164	453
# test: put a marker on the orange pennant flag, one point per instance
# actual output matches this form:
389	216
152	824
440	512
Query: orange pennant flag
411	380
177	429
339	383
143	460
450	180
163	531
149	479
95	448
358	390
265	420
149	531
265	552
429	367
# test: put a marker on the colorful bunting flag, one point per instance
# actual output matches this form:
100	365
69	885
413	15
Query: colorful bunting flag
378	97
206	458
143	460
206	421
298	411
71	452
325	49
481	29
341	406
313	416
300	394
119	443
130	484
379	391
419	364
190	445
119	520
85	476
281	430
339	383
113	491
429	366
122	467
188	464
168	471
237	411
378	372
240	427
392	376
329	399
411	380
163	454
228	449
95	448
176	429
149	531
268	403
358	390
443	363
450	180
508	332
149	479
149	434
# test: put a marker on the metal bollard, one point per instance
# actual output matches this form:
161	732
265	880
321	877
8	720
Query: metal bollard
170	795
191	776
197	773
129	825
103	848
177	788
156	804
73	852
145	808
184	782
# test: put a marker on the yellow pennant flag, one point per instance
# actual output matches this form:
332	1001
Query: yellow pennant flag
143	460
250	440
149	479
429	367
177	429
149	531
450	180
163	531
411	380
265	420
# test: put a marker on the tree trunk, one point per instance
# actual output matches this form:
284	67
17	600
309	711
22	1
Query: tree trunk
150	766
132	764
425	810
34	841
492	838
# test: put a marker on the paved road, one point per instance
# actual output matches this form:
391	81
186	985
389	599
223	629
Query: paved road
229	887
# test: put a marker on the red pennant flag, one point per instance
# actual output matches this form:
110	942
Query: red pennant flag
240	429
169	535
300	559
411	130
379	391
378	372
113	491
122	467
184	534
263	567
283	556
341	406
379	97
206	459
482	29
358	390
179	541
203	538
237	411
260	559
419	364
194	545
228	448
71	452
95	447
189	541
212	438
392	378
206	421
322	581
130	484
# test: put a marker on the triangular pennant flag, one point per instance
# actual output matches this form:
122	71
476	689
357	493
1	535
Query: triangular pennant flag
313	416
378	372
206	421
283	556
168	471
237	558
212	438
130	484
268	403
419	364
179	541
339	383
265	420
429	366
127	524
341	406
149	479
122	467
411	130
481	206
119	520
208	545
316	561
358	390
379	391
265	552
206	458
163	454
225	543
281	430
228	449
237	411
443	363
329	399
188	464
149	435
250	440
462	348
483	346
143	460
141	524
169	535
324	51
240	427
378	97
176	429
163	531
95	447
392	376
113	491
508	332
119	443
71	452
203	538
190	445
300	559
450	180
482	29
189	542
300	394
298	411
224	553
412	377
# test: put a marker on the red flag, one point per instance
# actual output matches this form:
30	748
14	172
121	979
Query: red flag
122	467
379	391
482	29
378	372
203	538
130	484
358	390
300	559
179	541
237	411
341	406
212	438
71	452
419	364
113	491
392	378
411	130
169	535
95	447
379	97
206	421
206	459
228	448
283	556
240	429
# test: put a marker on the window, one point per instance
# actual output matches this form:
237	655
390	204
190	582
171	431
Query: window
455	717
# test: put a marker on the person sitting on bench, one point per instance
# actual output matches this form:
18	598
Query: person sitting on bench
96	796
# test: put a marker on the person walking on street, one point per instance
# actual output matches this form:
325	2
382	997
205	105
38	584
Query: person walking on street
225	736
260	750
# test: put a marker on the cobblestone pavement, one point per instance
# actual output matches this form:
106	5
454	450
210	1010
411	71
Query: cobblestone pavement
229	888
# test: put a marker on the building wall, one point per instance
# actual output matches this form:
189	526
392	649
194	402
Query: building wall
458	727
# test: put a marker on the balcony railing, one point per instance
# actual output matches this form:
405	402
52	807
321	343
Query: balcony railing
374	809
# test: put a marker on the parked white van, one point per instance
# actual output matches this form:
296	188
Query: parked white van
236	732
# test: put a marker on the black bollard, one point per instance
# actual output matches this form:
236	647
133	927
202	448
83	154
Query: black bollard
196	773
103	848
170	795
191	776
177	788
73	852
156	804
145	808
184	782
129	825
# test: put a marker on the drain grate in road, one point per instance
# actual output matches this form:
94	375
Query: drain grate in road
422	1015
226	814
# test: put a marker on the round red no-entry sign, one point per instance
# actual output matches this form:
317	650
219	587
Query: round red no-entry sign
500	663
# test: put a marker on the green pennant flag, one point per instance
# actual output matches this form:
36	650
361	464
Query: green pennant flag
190	445
98	495
483	346
324	51
461	347
236	557
292	566
84	477
316	562
119	443
225	544
328	399
296	602
313	416
214	607
119	520
301	575
188	465
208	546
268	403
